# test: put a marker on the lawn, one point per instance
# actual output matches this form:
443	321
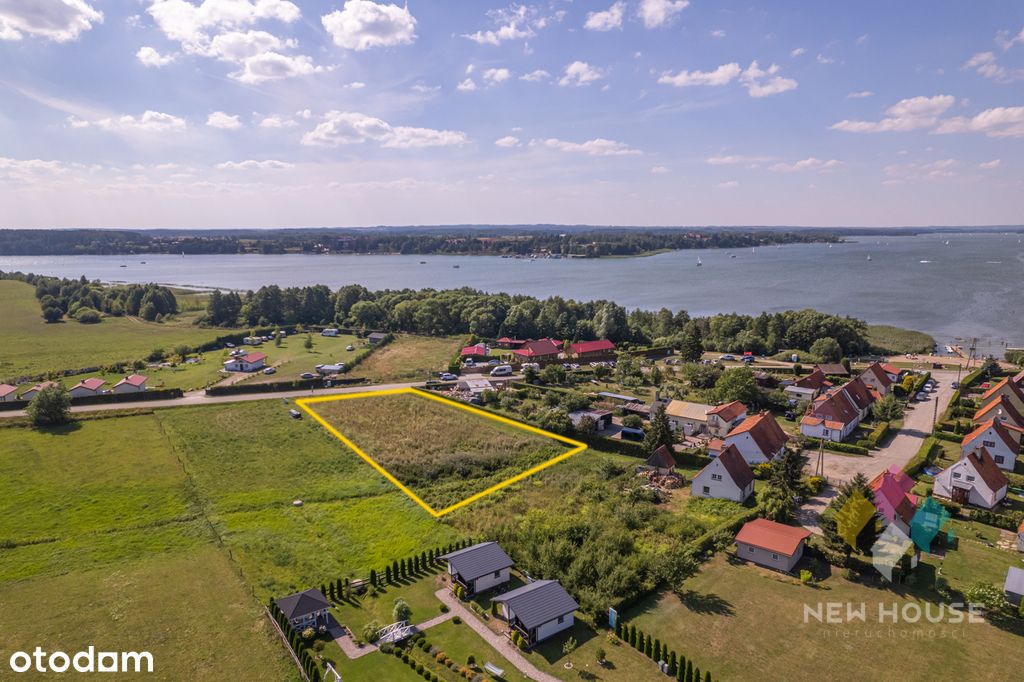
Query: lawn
443	453
409	358
31	347
418	594
746	623
458	641
189	610
291	358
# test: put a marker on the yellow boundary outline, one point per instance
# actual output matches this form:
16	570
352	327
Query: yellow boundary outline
577	447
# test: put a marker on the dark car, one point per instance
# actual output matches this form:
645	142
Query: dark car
790	416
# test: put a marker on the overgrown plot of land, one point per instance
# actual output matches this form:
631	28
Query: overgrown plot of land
442	453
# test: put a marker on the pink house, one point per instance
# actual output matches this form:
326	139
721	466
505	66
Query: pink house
893	498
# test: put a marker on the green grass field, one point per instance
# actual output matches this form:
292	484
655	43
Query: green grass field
444	454
409	358
292	358
30	346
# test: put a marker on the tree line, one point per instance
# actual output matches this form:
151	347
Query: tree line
86	301
469	311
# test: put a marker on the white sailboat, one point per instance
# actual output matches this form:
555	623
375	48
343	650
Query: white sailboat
869	256
699	263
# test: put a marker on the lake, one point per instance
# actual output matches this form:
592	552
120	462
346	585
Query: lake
970	287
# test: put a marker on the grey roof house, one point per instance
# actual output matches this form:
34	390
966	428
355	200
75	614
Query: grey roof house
480	567
1014	585
376	337
538	610
305	609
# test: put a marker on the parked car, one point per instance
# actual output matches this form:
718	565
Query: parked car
270	370
749	359
726	358
532	365
469	363
502	371
448	376
955	384
494	361
350	347
295	414
628	433
923	395
791	416
307	375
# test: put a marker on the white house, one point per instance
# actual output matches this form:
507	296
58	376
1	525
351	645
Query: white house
330	331
975	480
538	610
8	393
1001	410
808	387
1011	390
133	383
246	363
877	378
726	477
305	609
1001	441
833	417
758	439
1013	588
480	567
87	388
723	418
34	391
690	418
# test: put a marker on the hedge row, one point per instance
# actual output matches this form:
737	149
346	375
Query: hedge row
107	398
924	457
310	668
848	448
947	436
282	386
679	668
1005	521
878	434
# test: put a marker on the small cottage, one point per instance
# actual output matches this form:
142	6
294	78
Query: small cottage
133	383
975	480
305	609
480	567
727	477
1001	441
661	461
771	544
538	610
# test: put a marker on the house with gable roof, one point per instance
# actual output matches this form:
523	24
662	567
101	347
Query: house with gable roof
877	378
722	418
975	480
538	610
480	567
1001	441
1010	390
759	439
893	498
726	477
1001	410
771	544
87	387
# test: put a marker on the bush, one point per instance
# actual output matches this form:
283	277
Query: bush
50	407
87	316
444	608
878	434
457	620
848	448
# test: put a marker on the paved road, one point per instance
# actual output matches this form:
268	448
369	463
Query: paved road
917	425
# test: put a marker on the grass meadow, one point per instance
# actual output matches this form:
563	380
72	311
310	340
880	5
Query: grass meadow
442	453
410	358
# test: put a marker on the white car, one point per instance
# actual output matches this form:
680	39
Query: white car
727	358
350	347
448	376
270	370
502	371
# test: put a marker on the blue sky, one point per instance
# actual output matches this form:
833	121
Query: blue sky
270	113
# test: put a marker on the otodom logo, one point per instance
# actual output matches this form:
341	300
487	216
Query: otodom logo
88	661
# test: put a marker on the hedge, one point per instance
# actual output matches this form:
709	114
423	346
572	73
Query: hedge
947	436
878	434
679	667
848	448
108	398
279	386
923	457
1005	521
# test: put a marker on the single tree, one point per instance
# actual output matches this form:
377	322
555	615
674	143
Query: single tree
50	407
659	432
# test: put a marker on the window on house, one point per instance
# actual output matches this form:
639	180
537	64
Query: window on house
716	477
988	443
497	574
707	490
750	549
775	556
956	474
561	619
999	459
970	478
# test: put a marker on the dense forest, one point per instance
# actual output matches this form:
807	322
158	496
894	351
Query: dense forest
575	243
87	301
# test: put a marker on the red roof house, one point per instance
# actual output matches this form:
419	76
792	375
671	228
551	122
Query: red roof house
476	351
1001	441
541	349
876	377
759	438
893	498
8	393
592	348
771	544
1002	410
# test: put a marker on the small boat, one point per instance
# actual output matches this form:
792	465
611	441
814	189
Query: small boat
752	250
830	246
142	262
869	257
732	255
423	262
456	267
699	263
925	261
123	265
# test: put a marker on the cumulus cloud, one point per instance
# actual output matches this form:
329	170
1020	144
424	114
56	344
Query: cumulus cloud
723	75
512	23
61	21
147	56
861	94
1005	40
271	66
728	184
30	170
219	119
986	64
596	147
495	76
908	114
796	52
275	121
656	13
252	164
606	20
580	73
989	165
764	83
898	173
361	25
148	122
808	164
535	76
507	141
718	33
467	85
344	128
997	122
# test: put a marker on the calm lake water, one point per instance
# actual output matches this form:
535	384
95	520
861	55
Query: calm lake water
970	287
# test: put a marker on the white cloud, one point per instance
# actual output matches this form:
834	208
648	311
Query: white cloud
607	20
580	73
822	59
513	23
57	20
507	141
425	89
1005	41
761	83
985	64
535	76
251	164
495	76
809	164
860	94
219	119
796	52
989	165
899	173
28	170
148	122
275	121
359	85
361	25
655	13
343	128
659	170
468	85
147	56
907	114
728	184
723	75
596	147
718	33
271	66
997	122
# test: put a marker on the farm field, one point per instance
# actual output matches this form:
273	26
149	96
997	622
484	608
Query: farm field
720	623
410	358
442	453
291	358
30	346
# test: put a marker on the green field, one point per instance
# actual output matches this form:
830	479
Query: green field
291	358
747	623
30	346
444	454
899	341
410	358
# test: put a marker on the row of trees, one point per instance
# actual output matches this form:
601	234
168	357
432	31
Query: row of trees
678	667
85	301
468	311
